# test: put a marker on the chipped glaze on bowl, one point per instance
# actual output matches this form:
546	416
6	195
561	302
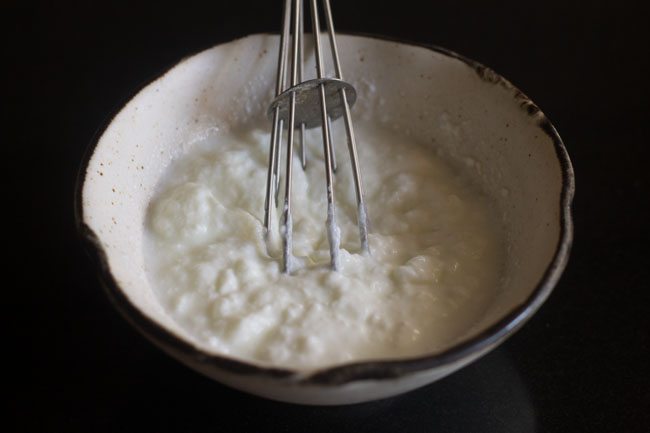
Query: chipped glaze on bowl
473	117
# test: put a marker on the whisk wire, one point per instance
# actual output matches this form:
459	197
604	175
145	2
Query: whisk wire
327	142
301	61
276	131
287	224
294	107
362	214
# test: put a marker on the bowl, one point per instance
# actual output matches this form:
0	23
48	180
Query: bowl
473	116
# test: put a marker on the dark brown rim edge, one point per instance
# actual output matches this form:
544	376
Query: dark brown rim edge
370	370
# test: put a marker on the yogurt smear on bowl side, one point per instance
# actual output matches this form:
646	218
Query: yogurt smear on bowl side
435	265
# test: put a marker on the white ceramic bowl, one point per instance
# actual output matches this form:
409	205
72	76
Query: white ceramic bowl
469	113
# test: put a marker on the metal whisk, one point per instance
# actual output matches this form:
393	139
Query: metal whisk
304	105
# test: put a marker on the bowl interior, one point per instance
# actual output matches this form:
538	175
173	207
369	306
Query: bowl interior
471	116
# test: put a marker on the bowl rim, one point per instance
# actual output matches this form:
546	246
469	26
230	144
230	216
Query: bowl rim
361	370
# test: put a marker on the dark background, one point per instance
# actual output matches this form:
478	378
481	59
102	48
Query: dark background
580	365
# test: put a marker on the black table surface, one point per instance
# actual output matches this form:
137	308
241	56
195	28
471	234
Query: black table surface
580	365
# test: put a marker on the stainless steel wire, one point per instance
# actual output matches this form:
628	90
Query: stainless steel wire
309	104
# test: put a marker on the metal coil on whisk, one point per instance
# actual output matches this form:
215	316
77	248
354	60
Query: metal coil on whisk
304	105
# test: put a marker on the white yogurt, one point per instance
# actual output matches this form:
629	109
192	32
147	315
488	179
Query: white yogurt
434	268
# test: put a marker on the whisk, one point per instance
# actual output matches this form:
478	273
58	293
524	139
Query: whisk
304	105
